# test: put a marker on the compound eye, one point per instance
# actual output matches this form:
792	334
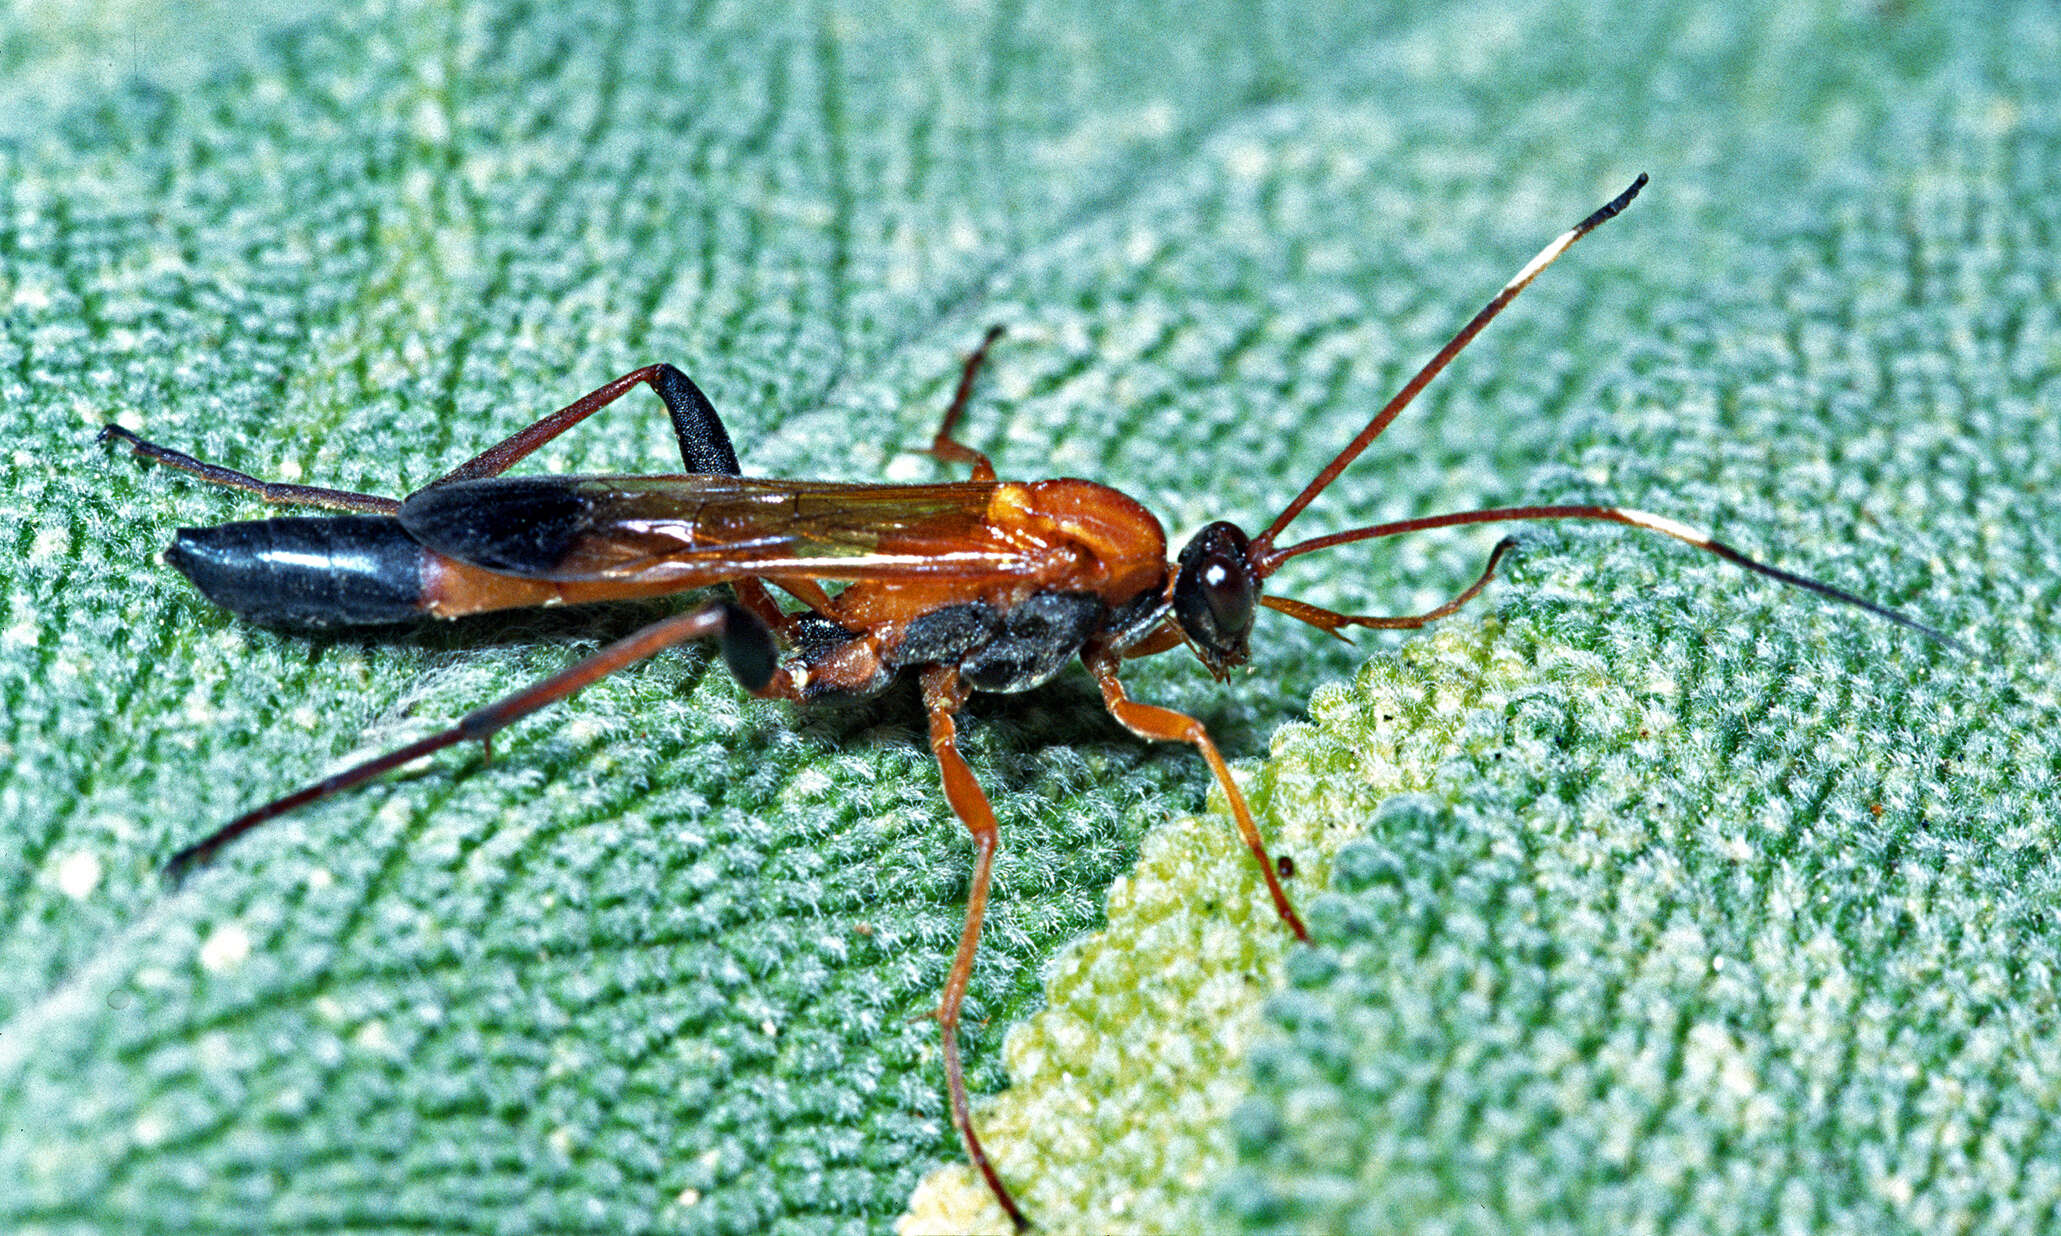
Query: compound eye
1228	590
1214	593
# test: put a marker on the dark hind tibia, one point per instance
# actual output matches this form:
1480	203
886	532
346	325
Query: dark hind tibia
704	444
749	650
330	571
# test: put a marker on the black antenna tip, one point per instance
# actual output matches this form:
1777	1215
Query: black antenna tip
1840	595
1610	209
183	864
173	875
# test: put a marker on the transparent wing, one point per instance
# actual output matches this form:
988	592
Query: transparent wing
703	529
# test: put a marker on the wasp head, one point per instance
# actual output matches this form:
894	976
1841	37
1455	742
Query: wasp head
1215	591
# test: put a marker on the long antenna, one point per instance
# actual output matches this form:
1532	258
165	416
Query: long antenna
1262	543
1610	514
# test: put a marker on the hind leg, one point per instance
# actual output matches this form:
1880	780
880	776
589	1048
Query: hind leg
704	446
278	492
942	696
704	443
746	648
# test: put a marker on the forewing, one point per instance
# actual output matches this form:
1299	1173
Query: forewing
702	529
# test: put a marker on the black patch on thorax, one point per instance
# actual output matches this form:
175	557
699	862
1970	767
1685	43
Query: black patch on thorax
944	636
1035	641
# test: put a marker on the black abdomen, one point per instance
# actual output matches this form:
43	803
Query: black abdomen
335	571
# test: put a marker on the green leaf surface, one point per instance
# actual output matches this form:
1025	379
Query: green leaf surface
654	966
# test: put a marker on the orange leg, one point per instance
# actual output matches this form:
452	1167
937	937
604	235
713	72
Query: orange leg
944	445
1166	725
1332	621
1167	636
942	696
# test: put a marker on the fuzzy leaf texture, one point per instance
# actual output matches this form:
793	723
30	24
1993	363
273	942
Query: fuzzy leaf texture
1660	898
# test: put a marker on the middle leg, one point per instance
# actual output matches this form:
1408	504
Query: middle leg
943	693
